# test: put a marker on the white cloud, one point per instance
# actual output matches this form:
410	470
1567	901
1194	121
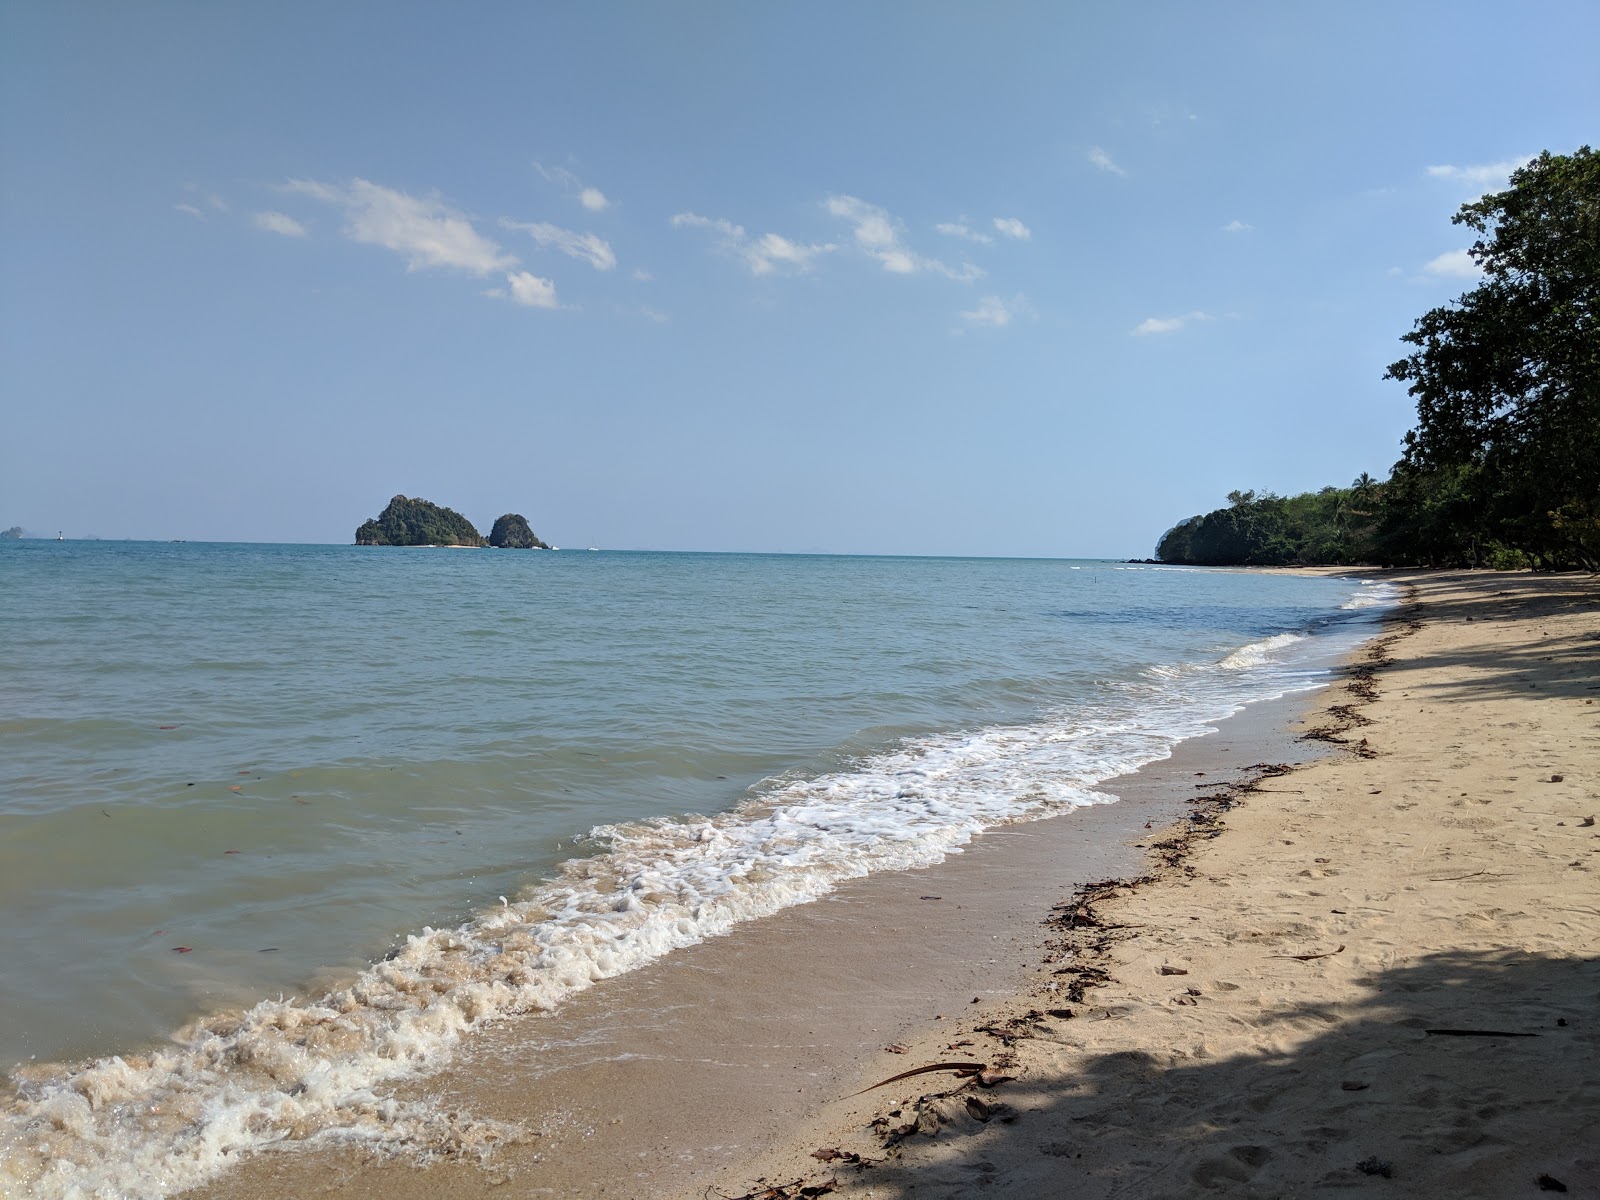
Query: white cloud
1237	227
1013	228
584	246
878	235
592	198
994	313
642	275
277	222
961	229
1104	161
528	289
426	232
1482	177
763	255
1169	324
1452	264
191	210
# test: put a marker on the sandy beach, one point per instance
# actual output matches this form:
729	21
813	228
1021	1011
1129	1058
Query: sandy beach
1364	959
1381	976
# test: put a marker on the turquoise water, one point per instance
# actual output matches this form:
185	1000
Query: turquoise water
290	759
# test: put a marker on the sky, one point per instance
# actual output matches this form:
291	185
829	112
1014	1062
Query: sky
1032	279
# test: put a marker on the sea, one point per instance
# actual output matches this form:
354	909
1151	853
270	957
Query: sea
281	825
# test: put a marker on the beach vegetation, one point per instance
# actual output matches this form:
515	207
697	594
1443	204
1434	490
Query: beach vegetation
1507	376
512	532
412	521
1503	467
11	535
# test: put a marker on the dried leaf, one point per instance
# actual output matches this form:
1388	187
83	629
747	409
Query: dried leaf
182	949
1169	969
965	1068
1308	957
979	1110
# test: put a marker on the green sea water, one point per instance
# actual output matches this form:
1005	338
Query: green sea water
234	772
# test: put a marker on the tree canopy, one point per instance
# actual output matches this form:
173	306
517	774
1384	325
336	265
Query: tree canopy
1507	378
411	521
1503	467
512	532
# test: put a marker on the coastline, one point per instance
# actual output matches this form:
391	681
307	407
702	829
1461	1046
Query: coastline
1383	972
730	1063
689	1066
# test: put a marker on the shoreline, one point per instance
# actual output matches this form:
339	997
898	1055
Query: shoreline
1379	968
741	1034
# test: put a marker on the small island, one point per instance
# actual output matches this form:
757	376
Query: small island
413	521
512	532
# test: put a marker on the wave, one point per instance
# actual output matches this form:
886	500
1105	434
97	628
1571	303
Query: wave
303	1072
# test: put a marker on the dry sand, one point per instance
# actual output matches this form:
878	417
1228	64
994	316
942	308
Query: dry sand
1275	1014
1443	878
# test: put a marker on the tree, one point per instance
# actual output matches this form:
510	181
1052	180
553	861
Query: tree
512	532
1507	378
409	521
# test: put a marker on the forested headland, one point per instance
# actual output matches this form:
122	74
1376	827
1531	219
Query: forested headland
1503	466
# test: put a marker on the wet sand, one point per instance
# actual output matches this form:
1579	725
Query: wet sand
1457	878
1382	977
649	1082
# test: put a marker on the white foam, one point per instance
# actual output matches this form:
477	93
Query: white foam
301	1072
1372	595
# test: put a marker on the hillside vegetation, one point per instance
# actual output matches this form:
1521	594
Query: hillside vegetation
1503	466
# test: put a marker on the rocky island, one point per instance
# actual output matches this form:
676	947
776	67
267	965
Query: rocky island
413	521
417	522
512	532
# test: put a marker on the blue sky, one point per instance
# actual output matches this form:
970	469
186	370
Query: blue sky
1012	279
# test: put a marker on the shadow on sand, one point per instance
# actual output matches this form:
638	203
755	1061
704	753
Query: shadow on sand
1360	1098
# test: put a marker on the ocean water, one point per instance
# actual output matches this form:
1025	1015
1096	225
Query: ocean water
280	824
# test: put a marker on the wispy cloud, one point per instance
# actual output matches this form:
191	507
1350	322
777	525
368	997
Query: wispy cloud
1104	161
878	235
1481	177
1169	324
592	198
1012	228
1452	264
584	246
277	222
191	210
960	229
426	232
763	255
527	289
994	313
642	275
1237	226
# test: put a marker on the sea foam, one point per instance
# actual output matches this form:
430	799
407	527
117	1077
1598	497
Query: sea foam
302	1072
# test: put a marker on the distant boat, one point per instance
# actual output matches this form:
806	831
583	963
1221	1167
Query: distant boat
594	547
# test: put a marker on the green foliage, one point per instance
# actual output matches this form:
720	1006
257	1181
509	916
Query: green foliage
1503	467
416	522
1507	379
1334	526
512	532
